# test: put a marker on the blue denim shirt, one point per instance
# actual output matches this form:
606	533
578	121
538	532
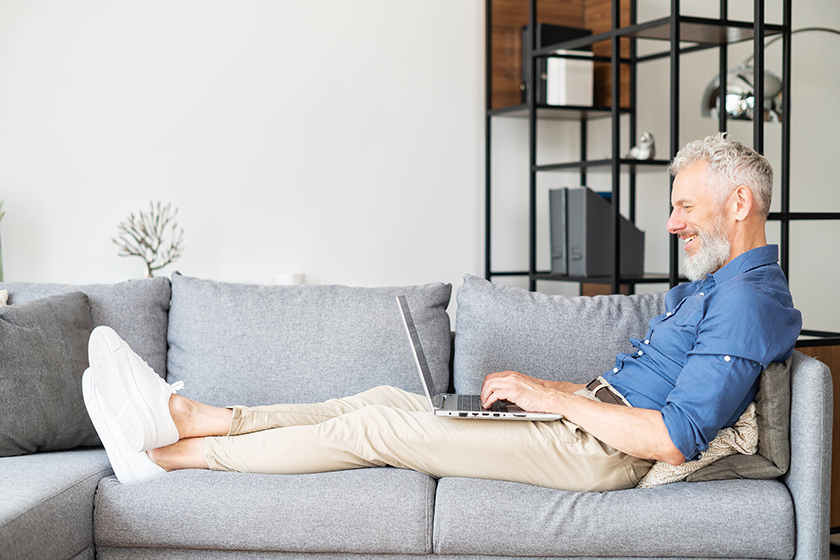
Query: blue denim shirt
699	362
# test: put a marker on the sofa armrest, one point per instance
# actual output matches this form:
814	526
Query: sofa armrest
809	476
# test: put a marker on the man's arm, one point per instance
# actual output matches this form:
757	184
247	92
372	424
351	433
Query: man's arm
636	431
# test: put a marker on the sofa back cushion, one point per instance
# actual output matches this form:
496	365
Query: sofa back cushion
501	328
136	310
772	409
241	344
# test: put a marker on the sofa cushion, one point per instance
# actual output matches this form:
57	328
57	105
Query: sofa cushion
770	458
47	507
679	520
373	511
501	328
136	310
239	344
43	354
741	437
773	416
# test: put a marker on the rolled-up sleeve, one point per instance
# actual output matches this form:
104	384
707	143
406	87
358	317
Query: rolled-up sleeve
693	413
736	338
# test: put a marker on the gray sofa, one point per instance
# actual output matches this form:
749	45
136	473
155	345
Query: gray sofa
247	344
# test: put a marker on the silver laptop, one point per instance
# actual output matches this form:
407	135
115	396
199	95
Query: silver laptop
460	406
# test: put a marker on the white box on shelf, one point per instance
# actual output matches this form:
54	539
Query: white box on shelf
569	80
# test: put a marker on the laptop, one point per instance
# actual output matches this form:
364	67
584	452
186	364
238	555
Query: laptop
460	406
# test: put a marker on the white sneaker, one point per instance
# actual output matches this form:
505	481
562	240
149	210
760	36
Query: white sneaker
129	465
136	396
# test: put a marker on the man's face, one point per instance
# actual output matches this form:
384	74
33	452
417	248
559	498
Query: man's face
699	221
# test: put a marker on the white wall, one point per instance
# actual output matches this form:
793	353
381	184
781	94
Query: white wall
341	139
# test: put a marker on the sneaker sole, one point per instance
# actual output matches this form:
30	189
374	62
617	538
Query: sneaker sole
114	380
128	469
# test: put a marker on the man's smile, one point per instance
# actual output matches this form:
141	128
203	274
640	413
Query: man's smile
689	241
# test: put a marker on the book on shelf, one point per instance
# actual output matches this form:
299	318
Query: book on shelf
569	80
581	235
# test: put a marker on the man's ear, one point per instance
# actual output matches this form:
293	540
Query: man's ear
743	203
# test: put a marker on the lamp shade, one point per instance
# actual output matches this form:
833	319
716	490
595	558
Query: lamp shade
740	96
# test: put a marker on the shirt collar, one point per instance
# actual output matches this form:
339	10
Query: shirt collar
754	258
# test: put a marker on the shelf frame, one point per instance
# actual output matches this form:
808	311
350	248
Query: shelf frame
684	34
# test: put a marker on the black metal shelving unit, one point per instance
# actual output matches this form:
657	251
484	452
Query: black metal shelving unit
682	35
702	33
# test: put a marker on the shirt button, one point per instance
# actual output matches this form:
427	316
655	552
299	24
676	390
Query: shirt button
615	370
702	294
647	341
668	314
726	358
641	353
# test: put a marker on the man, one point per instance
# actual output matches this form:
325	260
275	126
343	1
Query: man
695	372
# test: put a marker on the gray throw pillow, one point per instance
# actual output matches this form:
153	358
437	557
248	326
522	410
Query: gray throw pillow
247	344
43	354
772	407
501	328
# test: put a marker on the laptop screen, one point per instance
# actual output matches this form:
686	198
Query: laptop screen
420	357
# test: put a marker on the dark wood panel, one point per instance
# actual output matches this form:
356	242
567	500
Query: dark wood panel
508	19
598	18
592	290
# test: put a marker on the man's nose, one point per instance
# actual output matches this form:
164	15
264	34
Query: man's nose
675	223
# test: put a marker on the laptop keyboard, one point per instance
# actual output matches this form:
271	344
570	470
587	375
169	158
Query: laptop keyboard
472	403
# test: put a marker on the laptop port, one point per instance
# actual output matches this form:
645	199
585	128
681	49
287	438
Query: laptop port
462	414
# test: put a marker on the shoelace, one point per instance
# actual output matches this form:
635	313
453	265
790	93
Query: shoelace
175	387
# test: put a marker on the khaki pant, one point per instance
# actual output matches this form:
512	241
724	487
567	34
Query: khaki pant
388	426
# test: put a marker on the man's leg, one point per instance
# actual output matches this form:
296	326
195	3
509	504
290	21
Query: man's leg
150	415
196	420
552	454
256	419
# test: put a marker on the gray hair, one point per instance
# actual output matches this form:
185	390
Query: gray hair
730	164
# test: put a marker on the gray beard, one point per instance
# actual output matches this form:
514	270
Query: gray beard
713	253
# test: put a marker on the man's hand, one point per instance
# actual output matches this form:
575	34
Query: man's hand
635	431
528	393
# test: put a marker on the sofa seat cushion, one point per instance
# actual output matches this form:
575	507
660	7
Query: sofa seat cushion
375	511
720	519
46	509
244	344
